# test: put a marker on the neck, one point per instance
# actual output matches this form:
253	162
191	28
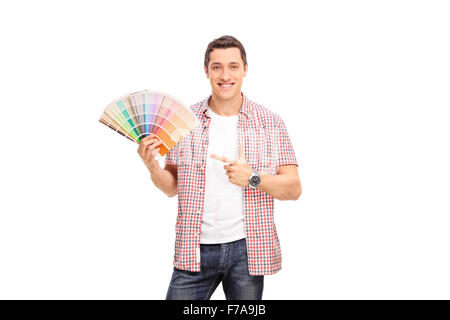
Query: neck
229	107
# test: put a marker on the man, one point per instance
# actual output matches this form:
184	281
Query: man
226	173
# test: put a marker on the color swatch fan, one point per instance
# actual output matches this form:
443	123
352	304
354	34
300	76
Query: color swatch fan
139	114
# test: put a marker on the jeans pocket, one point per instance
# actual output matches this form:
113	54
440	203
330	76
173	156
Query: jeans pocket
184	278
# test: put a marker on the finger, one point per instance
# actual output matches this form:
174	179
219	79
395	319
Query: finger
222	158
141	148
217	157
145	153
150	136
148	150
155	151
153	145
241	152
146	143
151	153
149	144
227	167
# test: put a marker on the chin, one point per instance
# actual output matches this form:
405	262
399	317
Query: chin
227	95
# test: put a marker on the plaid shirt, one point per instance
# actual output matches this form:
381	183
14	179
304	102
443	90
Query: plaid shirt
267	145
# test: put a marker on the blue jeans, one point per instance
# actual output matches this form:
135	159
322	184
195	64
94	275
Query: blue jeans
224	262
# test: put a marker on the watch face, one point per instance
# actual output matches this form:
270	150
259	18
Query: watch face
255	180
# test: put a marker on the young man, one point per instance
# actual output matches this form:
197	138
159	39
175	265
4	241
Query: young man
226	173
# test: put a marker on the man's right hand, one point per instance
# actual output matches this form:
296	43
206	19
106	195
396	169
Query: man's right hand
147	150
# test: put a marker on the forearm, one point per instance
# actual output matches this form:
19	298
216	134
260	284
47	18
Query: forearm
165	181
281	186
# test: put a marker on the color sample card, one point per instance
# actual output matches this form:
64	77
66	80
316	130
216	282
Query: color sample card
139	114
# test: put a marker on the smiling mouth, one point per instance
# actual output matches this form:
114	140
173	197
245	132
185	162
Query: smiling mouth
226	85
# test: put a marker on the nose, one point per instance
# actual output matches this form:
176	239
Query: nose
225	75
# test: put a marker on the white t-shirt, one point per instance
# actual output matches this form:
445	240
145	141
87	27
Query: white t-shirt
223	214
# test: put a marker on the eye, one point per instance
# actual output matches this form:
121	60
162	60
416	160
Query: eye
215	67
234	67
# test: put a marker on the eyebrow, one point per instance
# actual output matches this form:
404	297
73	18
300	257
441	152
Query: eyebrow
220	63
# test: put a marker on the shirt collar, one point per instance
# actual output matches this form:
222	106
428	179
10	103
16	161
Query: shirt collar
246	107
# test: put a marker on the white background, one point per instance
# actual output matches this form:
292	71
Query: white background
363	87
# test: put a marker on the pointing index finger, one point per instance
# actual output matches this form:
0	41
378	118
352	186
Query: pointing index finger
222	158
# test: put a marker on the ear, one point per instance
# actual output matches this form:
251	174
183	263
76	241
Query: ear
206	72
245	69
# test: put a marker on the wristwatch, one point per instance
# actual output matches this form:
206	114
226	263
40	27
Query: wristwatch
254	180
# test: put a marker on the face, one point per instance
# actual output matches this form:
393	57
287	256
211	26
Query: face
225	72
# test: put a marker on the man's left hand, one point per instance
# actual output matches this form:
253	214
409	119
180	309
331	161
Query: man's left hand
238	170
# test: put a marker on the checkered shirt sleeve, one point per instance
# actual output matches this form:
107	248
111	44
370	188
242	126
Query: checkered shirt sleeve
285	152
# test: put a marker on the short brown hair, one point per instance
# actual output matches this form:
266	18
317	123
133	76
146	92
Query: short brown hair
223	43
